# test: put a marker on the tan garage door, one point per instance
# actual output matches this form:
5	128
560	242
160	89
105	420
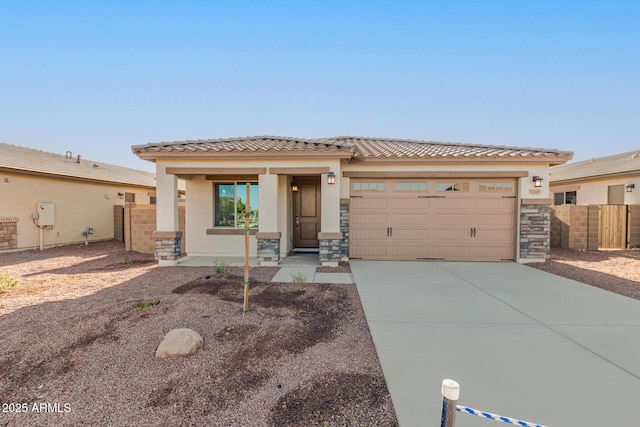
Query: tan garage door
458	220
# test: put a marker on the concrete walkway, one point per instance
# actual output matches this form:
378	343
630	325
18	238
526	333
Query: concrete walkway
522	343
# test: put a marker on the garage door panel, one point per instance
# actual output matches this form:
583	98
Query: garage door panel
505	236
414	203
410	252
495	204
450	252
450	234
451	203
410	235
409	219
368	251
493	253
443	220
497	219
369	204
370	219
394	224
369	234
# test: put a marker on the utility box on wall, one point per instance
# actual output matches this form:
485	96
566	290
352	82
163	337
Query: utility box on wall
46	214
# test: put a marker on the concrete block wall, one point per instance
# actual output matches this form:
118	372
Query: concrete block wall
559	222
140	223
579	227
570	226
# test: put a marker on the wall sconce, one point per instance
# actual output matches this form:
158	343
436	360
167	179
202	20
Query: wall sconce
537	181
294	187
331	178
121	195
630	187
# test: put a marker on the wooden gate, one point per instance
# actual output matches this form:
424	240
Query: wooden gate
613	227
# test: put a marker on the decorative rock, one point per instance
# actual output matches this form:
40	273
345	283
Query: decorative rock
179	343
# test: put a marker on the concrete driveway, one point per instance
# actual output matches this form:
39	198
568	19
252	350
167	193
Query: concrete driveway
521	342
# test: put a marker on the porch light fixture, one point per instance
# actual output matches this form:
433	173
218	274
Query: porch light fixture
630	187
331	178
294	187
121	195
537	181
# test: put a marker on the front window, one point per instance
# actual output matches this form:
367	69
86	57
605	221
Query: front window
565	198
230	204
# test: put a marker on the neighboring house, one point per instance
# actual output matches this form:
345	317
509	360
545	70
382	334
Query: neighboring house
354	198
611	180
52	199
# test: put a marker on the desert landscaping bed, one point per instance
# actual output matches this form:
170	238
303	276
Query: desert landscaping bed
81	328
616	271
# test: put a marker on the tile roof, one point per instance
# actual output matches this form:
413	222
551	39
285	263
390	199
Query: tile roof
370	148
618	164
252	144
17	158
356	148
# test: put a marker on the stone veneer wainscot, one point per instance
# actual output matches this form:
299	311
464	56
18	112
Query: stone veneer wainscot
535	230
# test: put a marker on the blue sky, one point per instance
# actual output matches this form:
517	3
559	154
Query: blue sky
98	77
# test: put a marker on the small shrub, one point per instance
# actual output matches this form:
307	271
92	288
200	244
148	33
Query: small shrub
222	268
146	303
127	261
299	278
7	281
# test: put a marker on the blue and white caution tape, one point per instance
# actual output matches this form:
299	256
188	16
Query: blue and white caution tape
495	417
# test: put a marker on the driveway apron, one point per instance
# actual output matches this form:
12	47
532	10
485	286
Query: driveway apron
521	342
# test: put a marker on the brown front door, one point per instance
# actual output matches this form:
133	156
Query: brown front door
306	212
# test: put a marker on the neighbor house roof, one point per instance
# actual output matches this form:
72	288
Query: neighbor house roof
354	148
603	167
35	162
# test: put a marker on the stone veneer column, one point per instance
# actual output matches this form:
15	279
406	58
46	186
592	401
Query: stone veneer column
268	248
167	247
8	233
535	231
330	248
344	228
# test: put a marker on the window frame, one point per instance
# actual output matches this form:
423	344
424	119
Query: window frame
238	224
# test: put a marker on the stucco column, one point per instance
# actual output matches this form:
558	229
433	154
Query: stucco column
167	236
268	202
330	205
268	238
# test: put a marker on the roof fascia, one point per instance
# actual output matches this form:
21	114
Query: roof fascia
244	155
71	178
453	160
596	177
436	174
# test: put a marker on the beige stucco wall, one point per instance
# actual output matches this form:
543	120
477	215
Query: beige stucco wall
276	199
275	203
596	192
77	205
526	188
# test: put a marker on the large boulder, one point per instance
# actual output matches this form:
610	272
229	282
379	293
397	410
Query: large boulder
179	343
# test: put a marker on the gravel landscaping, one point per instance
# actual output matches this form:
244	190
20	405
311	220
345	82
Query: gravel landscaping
616	271
81	328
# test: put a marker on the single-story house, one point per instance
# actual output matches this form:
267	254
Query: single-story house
50	199
611	180
354	198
